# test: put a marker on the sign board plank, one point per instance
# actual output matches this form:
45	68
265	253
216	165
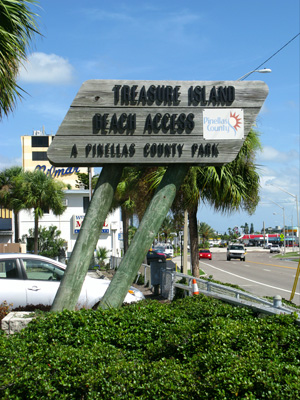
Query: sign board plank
157	122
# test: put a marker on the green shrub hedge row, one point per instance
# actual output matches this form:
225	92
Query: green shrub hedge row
193	348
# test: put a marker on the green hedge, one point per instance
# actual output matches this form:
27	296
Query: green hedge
194	348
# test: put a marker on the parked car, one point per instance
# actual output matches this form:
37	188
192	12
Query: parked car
267	246
155	255
205	254
236	251
28	279
169	250
160	249
275	248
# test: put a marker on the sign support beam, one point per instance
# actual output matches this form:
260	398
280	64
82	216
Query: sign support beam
149	226
71	284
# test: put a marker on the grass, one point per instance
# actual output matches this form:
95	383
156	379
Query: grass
293	255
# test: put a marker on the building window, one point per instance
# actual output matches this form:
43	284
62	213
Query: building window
86	202
39	141
5	224
39	156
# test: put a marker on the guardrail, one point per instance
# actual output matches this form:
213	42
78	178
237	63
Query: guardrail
169	284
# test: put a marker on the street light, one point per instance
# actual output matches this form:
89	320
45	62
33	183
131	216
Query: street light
297	209
283	224
261	71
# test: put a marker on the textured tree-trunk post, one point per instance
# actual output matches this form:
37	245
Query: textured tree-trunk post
149	226
125	228
71	284
185	242
16	226
36	233
194	241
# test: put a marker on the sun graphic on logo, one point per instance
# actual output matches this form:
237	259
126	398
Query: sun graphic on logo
237	120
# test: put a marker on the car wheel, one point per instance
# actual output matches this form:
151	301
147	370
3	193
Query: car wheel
244	259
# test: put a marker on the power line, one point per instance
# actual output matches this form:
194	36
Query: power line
255	69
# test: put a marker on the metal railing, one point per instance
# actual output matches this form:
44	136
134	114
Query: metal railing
222	292
169	283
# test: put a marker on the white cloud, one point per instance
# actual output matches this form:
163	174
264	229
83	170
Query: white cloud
49	109
101	15
6	162
46	68
271	154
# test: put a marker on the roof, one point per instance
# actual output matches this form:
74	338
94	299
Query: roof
260	236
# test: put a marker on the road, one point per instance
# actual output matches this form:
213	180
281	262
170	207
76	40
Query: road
261	274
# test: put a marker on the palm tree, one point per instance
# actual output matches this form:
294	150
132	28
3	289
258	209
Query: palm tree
205	232
132	195
101	256
167	227
227	188
41	193
9	197
83	180
17	27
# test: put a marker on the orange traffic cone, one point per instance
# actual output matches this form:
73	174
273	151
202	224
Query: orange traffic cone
195	287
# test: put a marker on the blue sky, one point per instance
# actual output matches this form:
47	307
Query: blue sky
171	40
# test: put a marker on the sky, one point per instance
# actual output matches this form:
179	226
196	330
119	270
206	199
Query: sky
171	40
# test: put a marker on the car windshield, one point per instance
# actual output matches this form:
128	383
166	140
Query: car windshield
204	251
159	249
236	248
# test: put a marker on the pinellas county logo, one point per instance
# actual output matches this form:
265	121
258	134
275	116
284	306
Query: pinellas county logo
223	124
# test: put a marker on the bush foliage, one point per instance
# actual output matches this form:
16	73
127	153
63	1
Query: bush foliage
193	348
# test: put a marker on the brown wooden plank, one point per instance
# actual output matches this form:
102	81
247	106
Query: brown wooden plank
124	121
79	121
99	93
91	151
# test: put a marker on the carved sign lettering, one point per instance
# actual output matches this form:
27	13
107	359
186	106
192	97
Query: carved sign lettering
155	122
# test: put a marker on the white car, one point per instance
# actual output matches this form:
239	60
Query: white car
28	279
236	251
275	248
169	250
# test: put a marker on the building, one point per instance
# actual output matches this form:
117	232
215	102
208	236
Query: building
6	230
34	156
70	222
290	236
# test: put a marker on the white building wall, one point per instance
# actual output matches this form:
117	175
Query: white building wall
112	229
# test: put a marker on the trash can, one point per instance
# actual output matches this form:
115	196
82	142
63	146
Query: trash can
155	268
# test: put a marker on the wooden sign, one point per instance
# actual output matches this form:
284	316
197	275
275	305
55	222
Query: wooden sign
157	122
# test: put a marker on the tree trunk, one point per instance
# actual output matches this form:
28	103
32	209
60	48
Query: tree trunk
16	226
71	284
36	234
193	228
125	220
147	230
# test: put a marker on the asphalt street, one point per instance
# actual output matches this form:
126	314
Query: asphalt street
262	273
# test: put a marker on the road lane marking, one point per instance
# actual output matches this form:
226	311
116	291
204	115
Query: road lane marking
272	265
250	280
